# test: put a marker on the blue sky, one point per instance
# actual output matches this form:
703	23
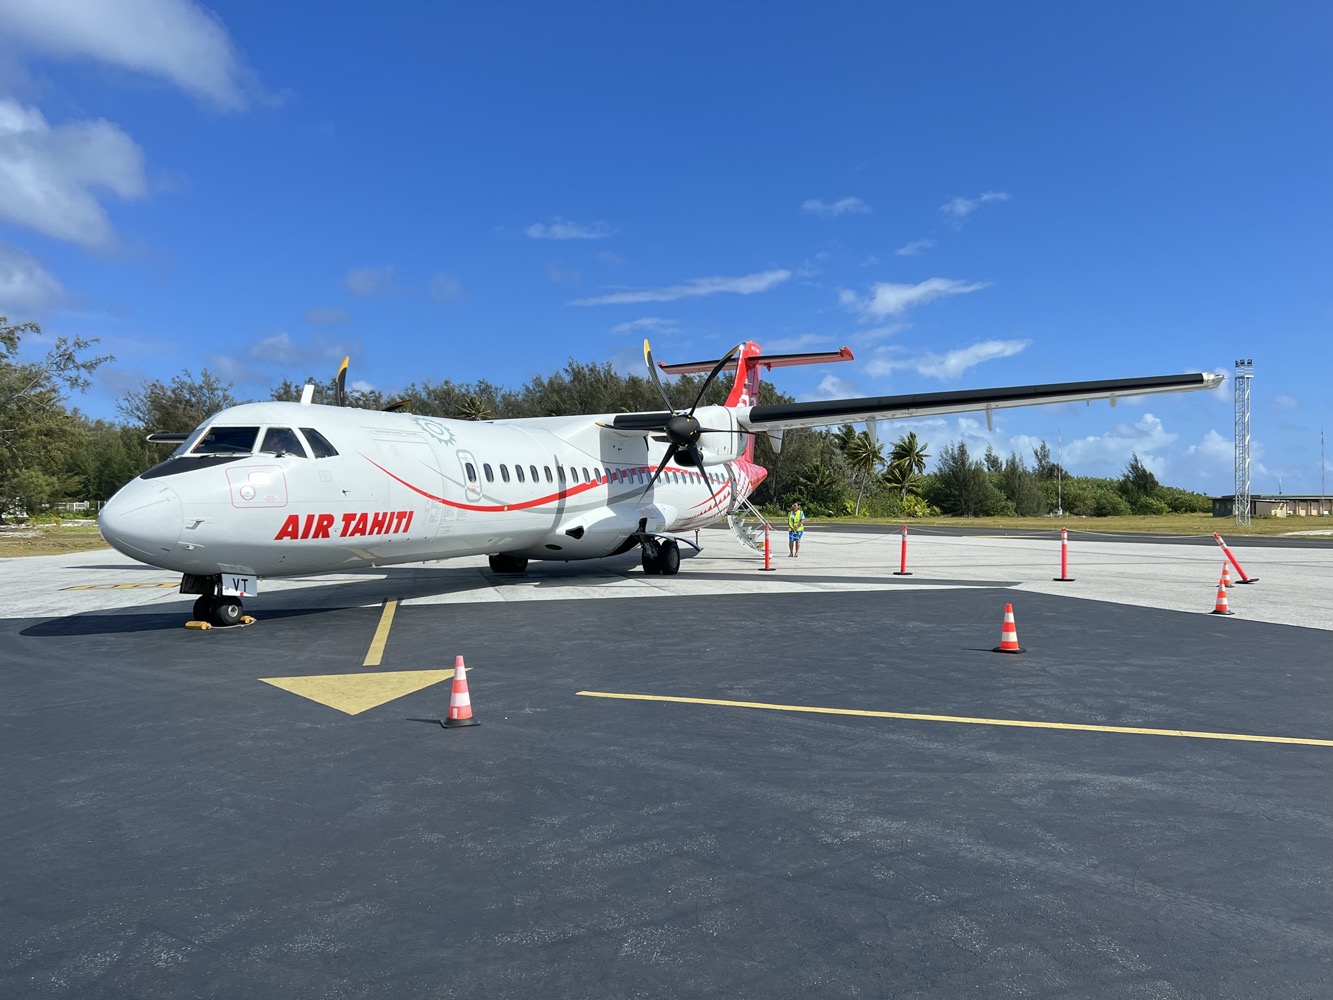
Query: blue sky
966	194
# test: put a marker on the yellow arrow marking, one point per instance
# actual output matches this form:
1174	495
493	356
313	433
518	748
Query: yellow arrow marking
1018	723
355	693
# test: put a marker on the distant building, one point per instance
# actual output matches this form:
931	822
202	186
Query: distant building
1268	505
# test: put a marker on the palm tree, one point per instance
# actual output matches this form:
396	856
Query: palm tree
864	456
473	407
900	477
909	454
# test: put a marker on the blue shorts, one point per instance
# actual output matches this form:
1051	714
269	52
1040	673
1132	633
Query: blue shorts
795	536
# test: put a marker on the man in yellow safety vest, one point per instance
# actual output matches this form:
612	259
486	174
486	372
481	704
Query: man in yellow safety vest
795	529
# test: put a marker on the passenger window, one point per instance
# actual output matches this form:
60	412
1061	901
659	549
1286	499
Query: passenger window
547	470
319	444
471	472
504	473
486	468
227	441
518	471
281	441
573	474
535	477
560	471
586	478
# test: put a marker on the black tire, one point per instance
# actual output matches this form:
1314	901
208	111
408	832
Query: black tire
652	558
202	606
508	564
225	611
669	558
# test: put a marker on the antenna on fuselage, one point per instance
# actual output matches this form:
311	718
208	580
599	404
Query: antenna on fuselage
308	393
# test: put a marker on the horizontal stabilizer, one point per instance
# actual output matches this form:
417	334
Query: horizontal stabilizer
769	361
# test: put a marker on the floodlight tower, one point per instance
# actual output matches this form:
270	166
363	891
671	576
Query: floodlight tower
1244	372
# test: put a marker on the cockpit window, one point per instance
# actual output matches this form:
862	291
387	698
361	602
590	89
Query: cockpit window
227	441
282	441
319	444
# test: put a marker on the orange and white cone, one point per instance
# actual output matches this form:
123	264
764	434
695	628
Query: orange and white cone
1009	634
1226	574
1221	607
460	704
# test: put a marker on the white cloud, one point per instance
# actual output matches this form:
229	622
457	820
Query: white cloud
369	281
327	317
957	210
1113	449
1283	401
843	206
889	298
832	387
178	40
25	286
914	248
561	229
47	175
949	365
562	275
1214	447
695	289
445	287
651	324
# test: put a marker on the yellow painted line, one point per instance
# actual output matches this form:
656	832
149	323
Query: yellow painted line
121	586
376	651
1016	723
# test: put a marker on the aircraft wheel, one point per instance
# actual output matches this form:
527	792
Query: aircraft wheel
508	564
652	557
225	611
669	558
202	606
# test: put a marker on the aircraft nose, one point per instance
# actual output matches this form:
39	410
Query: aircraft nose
143	521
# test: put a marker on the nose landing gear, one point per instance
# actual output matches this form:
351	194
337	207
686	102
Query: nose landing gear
212	606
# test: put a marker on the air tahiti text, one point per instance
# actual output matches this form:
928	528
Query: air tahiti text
383	522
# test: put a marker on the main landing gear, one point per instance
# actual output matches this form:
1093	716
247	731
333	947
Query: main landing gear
508	565
660	558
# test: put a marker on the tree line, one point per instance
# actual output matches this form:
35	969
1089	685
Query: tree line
51	453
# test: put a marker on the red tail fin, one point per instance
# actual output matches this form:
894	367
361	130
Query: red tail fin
745	389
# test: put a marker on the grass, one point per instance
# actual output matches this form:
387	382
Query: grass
48	539
1163	524
55	539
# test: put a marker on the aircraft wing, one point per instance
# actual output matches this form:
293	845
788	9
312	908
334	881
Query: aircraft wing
779	416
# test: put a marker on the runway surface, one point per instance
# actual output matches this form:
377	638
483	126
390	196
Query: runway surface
815	781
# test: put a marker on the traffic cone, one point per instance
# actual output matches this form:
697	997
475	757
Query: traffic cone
1221	608
460	705
1009	634
1226	573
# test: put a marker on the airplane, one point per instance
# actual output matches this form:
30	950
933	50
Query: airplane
278	489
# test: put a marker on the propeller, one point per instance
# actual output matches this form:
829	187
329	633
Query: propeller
340	384
682	429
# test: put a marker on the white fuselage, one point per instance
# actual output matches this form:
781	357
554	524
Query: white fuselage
406	488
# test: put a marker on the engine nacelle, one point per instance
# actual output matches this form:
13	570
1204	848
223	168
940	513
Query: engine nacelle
717	448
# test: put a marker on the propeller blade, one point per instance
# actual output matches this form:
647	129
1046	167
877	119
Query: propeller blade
398	406
698	462
670	454
712	375
652	370
340	384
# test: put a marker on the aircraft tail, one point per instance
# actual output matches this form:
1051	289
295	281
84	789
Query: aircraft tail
745	387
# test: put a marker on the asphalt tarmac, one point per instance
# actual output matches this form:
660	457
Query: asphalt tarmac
814	781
